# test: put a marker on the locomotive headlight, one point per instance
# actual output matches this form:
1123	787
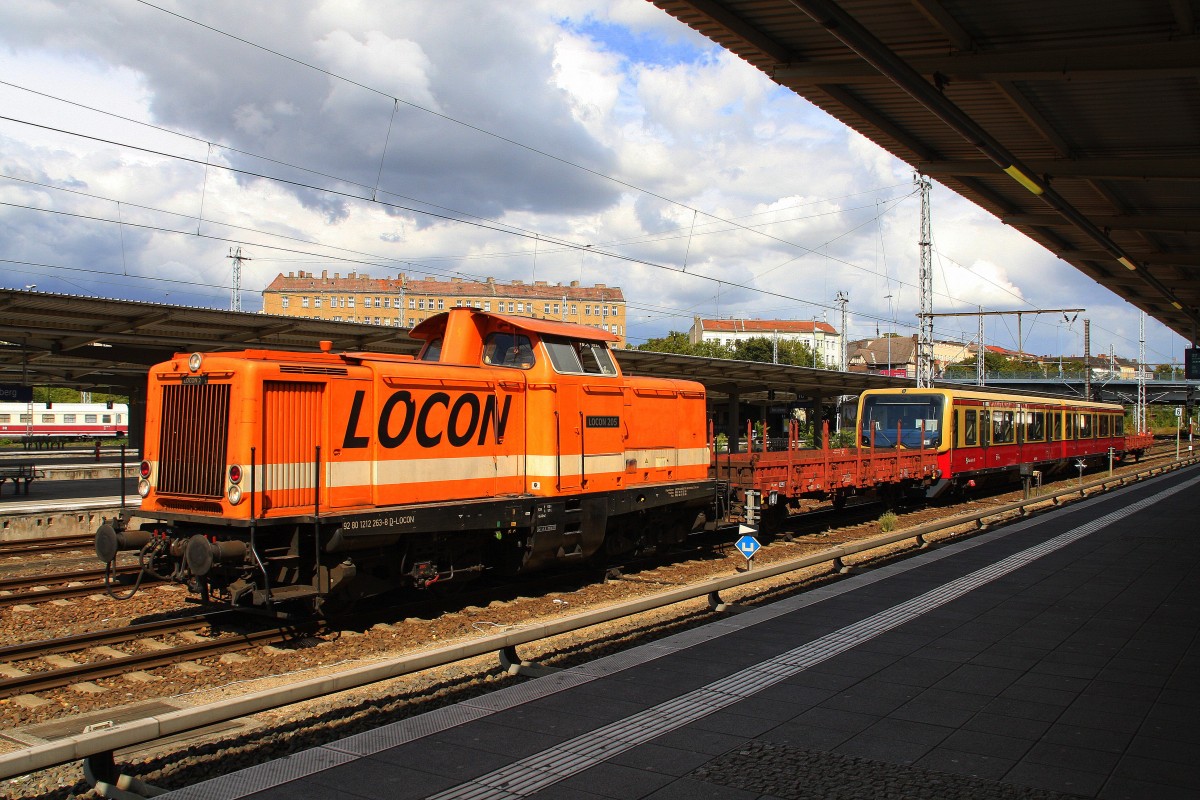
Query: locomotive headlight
143	487
235	495
194	361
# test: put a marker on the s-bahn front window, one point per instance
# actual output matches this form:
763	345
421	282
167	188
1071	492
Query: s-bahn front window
907	414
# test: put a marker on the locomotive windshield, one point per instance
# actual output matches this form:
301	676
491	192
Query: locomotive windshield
888	414
577	356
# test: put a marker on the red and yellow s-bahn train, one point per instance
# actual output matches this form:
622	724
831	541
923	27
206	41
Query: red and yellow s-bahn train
980	437
508	443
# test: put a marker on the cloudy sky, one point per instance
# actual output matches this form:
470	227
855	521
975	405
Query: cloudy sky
559	140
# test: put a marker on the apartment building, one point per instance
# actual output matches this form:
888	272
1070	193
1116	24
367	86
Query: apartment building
404	302
821	337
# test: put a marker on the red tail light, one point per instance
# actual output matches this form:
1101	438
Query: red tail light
144	469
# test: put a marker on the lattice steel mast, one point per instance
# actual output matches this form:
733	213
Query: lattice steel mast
925	318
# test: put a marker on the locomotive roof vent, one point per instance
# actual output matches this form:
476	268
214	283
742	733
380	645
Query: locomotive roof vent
326	346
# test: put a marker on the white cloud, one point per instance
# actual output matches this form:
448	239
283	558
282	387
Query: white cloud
739	179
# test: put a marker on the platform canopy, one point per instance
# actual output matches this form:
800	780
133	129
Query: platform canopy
107	344
1076	122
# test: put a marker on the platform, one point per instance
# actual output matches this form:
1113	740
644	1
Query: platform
1058	656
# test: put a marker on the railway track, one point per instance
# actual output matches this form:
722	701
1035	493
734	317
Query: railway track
22	658
49	544
60	586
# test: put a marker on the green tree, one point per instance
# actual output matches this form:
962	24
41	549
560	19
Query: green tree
763	349
1168	372
676	342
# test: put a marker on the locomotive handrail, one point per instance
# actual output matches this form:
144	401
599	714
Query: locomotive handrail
147	729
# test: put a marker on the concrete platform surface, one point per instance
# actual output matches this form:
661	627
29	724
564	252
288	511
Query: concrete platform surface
1056	657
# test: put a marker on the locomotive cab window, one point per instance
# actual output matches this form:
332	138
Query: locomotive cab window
908	414
570	356
508	350
433	350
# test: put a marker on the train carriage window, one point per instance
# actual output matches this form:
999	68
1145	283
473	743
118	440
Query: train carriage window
5	417
1103	425
1037	427
27	418
48	418
89	419
68	419
1002	427
985	427
508	350
969	436
1056	431
1118	426
1085	426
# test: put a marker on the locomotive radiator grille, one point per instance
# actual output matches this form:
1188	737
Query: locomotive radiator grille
291	434
193	434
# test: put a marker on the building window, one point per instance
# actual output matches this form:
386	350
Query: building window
351	302
546	308
285	300
458	303
304	302
604	311
337	317
520	308
421	304
477	304
574	310
487	306
441	305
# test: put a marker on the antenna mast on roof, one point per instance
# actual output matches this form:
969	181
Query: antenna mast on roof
235	302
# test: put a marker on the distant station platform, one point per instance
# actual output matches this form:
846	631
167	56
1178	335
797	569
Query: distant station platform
1055	657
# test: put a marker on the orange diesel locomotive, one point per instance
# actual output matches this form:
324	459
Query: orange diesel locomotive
508	443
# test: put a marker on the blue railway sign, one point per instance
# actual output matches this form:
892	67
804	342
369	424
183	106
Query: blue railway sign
748	546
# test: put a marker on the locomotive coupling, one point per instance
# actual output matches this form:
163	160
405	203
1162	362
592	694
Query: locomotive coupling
109	541
201	554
